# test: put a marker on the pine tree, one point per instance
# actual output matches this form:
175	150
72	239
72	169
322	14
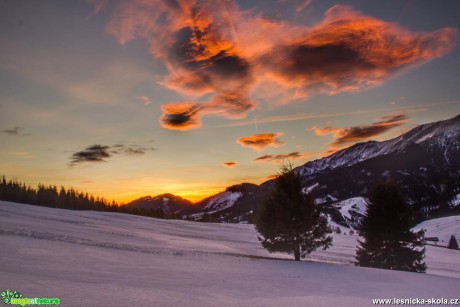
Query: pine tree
453	244
289	221
386	229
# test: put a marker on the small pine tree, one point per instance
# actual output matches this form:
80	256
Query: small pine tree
386	229
453	244
289	221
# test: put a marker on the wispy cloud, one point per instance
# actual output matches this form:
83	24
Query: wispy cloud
280	158
132	149
100	153
18	154
261	141
303	5
346	135
98	4
230	164
216	48
145	100
306	116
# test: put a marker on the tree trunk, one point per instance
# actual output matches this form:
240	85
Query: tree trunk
296	251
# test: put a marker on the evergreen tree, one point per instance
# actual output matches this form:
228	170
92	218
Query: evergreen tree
289	221
386	229
453	244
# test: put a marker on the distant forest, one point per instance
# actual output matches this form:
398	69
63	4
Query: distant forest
51	196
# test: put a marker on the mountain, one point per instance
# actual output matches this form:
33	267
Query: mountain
168	203
425	162
236	204
439	138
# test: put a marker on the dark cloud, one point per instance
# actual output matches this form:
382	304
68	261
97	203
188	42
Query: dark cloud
202	51
13	131
207	60
100	153
94	153
352	134
279	158
261	141
311	65
130	149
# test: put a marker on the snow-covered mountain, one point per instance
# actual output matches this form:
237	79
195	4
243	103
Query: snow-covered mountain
425	162
236	204
351	210
441	137
168	203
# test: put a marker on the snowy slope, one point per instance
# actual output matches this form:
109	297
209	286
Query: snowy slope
352	210
442	228
222	201
455	201
109	259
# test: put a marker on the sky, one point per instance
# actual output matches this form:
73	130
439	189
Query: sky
125	99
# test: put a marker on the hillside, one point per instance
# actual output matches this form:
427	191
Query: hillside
109	259
167	203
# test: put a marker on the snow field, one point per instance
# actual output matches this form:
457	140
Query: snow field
107	259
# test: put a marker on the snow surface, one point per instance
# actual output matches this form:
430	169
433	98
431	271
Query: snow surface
307	190
325	199
455	201
442	228
351	205
223	201
103	259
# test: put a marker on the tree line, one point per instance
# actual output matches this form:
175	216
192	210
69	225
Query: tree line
68	198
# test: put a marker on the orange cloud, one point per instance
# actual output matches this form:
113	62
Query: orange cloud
181	116
229	164
261	141
216	48
348	51
280	158
187	115
192	40
361	133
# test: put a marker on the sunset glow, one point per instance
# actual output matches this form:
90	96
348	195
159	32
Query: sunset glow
125	99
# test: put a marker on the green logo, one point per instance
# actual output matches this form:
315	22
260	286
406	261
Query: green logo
16	298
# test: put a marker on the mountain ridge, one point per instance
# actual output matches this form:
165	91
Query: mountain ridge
424	161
